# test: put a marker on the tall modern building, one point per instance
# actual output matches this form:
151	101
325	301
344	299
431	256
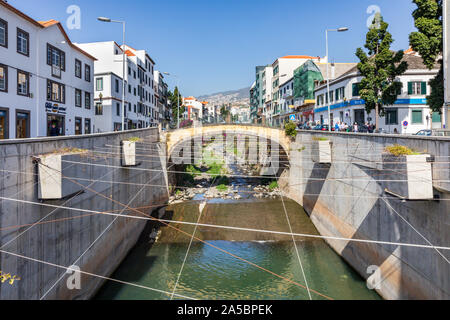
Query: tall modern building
46	82
140	105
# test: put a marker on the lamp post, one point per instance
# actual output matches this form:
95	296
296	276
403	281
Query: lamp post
178	95
124	62
328	73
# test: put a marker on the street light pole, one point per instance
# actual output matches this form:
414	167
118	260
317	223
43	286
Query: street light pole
328	73
124	63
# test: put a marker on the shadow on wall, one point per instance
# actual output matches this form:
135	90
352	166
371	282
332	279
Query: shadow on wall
315	185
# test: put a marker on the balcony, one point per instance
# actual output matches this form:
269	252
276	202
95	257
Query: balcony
289	94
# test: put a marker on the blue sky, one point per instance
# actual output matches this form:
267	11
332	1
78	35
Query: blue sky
215	45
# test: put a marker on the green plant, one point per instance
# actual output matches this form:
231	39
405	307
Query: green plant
428	41
273	185
222	188
135	139
291	129
380	68
319	139
178	192
398	151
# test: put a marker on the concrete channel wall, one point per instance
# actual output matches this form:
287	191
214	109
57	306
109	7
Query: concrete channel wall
347	199
96	243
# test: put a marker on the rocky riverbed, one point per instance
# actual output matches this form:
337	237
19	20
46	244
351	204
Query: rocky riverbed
232	192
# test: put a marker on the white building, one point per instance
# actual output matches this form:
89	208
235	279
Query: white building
194	109
46	82
140	110
408	115
161	93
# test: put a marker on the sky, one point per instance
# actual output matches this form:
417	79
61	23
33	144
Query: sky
215	45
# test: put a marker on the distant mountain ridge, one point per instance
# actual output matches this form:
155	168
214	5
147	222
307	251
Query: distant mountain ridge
232	96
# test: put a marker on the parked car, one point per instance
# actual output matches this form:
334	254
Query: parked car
434	133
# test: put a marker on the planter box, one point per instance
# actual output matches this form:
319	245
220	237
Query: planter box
321	152
51	173
413	175
128	153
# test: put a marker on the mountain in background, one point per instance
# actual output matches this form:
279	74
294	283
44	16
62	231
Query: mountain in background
241	96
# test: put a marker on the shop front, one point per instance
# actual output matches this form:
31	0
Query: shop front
55	125
4	129
22	124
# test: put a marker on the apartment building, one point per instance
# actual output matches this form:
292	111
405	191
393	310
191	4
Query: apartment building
161	92
194	109
140	106
283	69
408	115
46	82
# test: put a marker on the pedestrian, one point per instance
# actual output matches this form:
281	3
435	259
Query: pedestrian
355	127
336	127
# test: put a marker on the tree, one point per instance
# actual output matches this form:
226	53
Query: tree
174	99
379	68
428	41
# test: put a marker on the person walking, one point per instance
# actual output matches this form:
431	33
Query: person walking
355	127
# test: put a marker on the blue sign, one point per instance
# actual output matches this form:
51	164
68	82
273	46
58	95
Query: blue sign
292	117
405	123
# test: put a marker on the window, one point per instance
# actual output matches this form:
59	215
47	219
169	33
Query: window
134	74
87	100
417	88
87	73
129	106
23	42
118	109
436	117
57	59
117	85
3	78
129	71
77	98
77	68
340	94
23	83
416	116
391	116
99	84
87	126
78	126
129	88
3	33
56	92
98	109
355	89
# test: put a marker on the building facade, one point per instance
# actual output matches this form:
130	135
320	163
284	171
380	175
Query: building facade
162	98
140	105
46	82
408	115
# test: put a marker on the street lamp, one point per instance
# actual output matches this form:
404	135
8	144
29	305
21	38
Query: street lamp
343	29
124	62
178	95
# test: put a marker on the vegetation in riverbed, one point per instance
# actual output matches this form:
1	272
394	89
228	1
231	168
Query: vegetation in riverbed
273	185
222	188
399	150
319	139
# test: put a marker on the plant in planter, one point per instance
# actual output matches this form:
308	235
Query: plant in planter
410	172
321	150
52	169
129	152
290	129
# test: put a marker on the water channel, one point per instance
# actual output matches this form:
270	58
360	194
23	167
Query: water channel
210	273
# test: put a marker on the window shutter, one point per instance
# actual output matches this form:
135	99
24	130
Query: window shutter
424	88
410	88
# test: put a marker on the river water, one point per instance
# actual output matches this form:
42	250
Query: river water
210	273
235	264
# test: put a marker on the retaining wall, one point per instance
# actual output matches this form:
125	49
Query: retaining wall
63	236
357	206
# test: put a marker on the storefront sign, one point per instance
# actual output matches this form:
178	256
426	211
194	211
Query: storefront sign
55	108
